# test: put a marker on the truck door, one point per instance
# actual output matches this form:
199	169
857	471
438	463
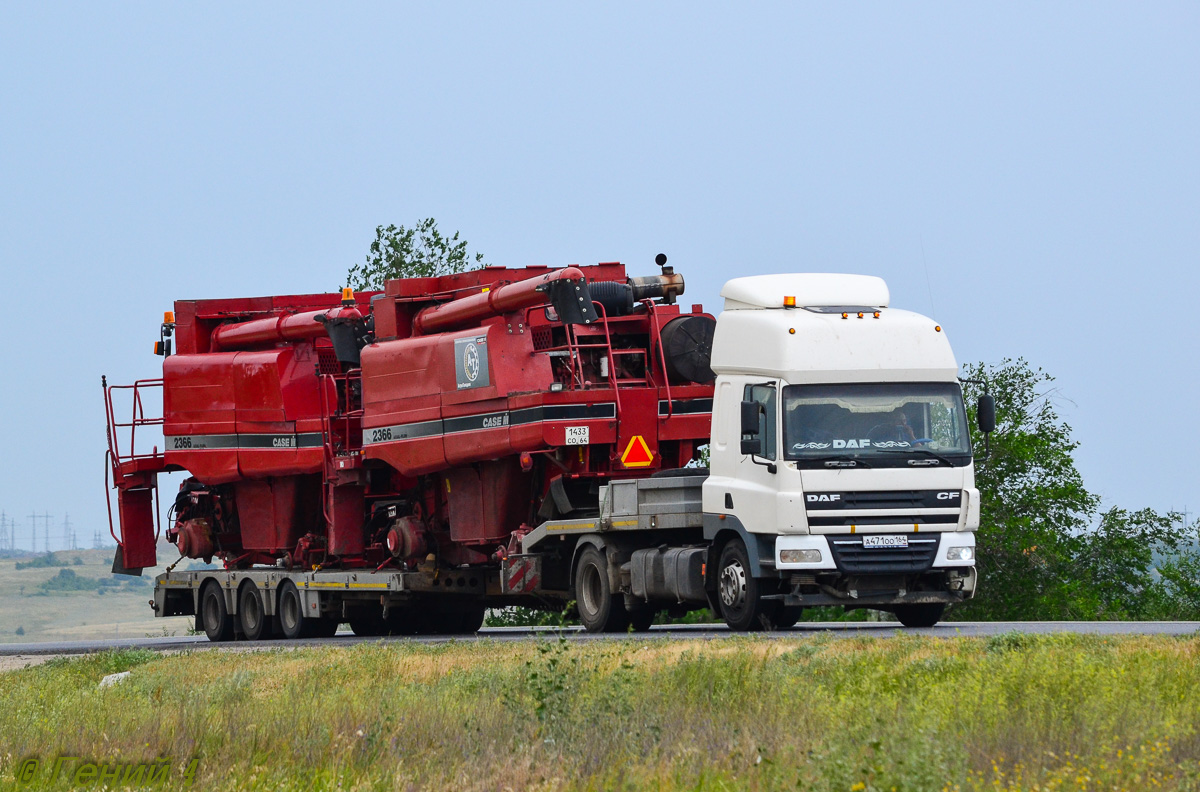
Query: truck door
756	504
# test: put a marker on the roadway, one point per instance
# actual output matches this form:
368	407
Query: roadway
41	651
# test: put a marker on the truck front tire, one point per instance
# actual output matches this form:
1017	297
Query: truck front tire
599	610
739	593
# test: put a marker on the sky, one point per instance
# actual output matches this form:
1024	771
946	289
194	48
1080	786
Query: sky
1028	174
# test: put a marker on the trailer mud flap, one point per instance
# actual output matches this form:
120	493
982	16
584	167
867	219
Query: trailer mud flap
521	574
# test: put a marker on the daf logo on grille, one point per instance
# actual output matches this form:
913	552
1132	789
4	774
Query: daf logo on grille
948	495
823	498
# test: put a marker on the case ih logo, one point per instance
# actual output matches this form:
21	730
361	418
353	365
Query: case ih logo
471	361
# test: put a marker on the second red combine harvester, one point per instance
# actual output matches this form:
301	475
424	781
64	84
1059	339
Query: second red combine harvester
377	458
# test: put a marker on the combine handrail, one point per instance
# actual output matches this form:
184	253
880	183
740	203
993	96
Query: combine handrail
137	418
661	355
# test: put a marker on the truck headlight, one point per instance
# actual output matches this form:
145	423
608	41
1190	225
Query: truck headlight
800	556
960	553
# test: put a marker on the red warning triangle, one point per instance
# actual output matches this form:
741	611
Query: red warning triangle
637	453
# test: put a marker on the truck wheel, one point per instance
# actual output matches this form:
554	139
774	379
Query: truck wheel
924	615
598	609
641	619
252	615
218	624
739	593
290	611
787	618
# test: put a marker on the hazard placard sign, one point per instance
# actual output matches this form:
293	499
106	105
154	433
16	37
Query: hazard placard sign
637	453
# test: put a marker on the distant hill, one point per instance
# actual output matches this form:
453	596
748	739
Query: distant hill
73	595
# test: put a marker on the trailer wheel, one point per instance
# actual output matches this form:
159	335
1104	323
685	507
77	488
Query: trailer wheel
598	609
739	593
368	626
252	613
401	620
290	611
923	615
218	624
321	627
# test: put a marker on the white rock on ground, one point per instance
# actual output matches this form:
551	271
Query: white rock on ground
113	679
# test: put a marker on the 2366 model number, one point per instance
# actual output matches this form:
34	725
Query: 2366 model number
381	435
178	443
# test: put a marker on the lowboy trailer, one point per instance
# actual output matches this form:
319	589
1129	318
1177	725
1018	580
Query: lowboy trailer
404	460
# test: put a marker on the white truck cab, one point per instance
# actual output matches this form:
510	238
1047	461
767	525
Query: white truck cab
841	461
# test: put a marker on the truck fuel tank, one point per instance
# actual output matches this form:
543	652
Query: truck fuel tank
671	574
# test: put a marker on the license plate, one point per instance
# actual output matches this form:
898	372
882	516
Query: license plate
885	541
578	435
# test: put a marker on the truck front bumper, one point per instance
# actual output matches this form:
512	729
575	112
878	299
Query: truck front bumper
838	569
813	552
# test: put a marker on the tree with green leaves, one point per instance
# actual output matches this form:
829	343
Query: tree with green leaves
418	252
1044	549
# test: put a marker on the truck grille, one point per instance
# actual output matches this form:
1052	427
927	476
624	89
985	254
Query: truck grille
851	557
890	499
884	519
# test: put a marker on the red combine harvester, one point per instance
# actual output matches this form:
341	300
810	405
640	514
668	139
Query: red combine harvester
378	458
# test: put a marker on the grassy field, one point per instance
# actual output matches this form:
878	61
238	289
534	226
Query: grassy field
34	607
814	713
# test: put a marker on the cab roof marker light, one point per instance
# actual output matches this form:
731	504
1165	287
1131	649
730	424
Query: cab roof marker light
877	314
937	328
789	302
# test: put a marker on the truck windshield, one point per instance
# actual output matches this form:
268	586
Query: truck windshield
876	421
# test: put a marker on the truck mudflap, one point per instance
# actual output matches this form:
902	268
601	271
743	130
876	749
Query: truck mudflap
521	573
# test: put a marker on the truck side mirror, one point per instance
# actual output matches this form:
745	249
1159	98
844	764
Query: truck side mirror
985	413
751	444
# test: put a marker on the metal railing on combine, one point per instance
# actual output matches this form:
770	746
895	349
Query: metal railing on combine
138	420
120	463
341	425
